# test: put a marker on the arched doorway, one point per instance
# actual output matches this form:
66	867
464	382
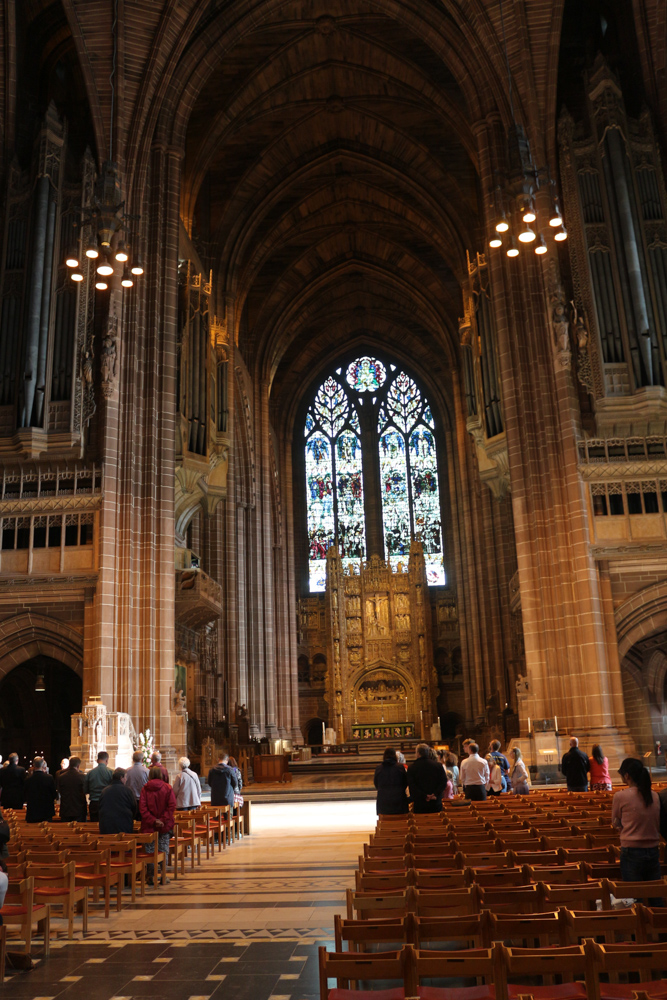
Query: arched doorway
34	722
314	730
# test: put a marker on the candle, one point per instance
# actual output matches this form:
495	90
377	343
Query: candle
529	726
324	733
556	722
406	706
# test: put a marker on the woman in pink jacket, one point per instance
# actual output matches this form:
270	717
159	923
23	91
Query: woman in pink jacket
599	770
157	805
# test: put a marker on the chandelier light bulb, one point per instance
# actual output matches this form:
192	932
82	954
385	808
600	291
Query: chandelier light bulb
101	286
526	235
541	246
137	267
105	269
528	214
72	260
127	280
502	225
121	253
512	250
91	249
495	241
556	219
561	235
76	276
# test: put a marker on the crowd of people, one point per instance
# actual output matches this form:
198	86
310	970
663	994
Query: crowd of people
638	811
116	799
438	775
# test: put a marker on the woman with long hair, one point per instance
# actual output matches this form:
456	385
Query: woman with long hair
519	774
391	781
452	762
599	770
635	810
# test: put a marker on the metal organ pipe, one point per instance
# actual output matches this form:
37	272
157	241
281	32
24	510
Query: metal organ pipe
631	253
45	315
35	301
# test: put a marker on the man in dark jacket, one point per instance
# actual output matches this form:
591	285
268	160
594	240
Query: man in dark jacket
223	783
40	794
69	783
118	805
427	781
12	781
575	767
391	781
97	779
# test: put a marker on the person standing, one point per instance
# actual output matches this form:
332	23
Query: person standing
502	761
519	774
574	766
427	781
157	805
451	763
156	761
474	774
635	811
97	779
12	782
186	786
599	770
136	776
118	805
495	784
222	781
70	785
391	781
40	794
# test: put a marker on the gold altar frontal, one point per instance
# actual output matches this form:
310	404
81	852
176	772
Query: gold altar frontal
378	624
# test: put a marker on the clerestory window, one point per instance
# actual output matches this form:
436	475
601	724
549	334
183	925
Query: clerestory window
370	447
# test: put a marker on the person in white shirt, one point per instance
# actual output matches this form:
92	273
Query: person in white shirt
474	774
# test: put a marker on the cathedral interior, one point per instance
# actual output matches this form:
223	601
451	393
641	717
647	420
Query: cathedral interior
333	372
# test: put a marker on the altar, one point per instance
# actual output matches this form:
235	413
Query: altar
381	683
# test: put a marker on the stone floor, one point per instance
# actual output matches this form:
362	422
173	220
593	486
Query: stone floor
244	926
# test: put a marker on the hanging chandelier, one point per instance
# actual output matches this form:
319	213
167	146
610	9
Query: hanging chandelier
516	224
109	244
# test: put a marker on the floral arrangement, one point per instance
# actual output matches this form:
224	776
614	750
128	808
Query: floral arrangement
147	746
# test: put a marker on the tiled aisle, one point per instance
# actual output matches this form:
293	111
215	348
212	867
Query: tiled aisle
245	926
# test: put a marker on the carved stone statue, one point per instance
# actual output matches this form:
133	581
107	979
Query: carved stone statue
108	364
522	686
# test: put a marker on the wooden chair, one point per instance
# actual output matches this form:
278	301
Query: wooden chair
443	859
556	875
653	921
633	890
20	909
490	877
187	834
177	851
384	866
373	906
382	883
124	862
611	959
102	877
581	924
360	933
446	902
155	858
566	963
349	968
493	859
438	880
467	930
529	930
584	895
474	963
512	899
55	885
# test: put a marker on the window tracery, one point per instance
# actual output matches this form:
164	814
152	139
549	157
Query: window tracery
403	450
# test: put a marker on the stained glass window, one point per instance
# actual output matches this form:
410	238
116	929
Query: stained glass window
405	453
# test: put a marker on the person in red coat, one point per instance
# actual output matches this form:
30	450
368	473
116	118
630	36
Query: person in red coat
157	805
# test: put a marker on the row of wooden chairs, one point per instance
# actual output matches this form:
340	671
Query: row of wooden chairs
563	926
579	968
396	861
533	898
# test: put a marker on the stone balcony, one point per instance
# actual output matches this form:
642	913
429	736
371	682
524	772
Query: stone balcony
198	598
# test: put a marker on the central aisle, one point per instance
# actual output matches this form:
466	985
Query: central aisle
287	879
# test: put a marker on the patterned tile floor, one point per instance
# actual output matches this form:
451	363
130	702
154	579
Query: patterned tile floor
244	926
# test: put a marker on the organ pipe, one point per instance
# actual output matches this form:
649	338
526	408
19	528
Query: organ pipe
35	300
45	315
